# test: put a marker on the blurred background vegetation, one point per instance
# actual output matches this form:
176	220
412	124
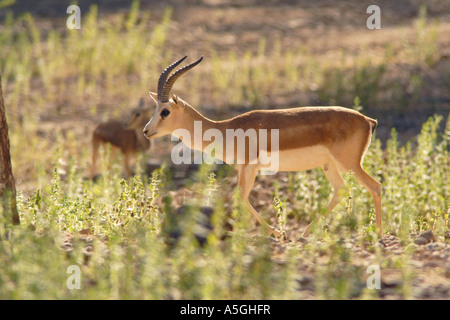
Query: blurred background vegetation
269	55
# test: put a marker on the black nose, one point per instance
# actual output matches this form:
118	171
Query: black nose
146	131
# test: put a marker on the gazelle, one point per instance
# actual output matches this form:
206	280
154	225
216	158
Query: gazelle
333	138
127	139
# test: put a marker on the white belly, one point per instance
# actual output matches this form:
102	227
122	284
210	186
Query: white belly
298	159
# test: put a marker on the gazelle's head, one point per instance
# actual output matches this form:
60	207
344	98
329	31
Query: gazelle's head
169	113
138	117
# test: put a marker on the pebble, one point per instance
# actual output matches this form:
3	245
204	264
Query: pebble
306	282
436	254
302	240
425	237
431	264
433	246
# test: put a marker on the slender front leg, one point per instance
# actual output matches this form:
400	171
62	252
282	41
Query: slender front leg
95	146
332	173
246	179
126	164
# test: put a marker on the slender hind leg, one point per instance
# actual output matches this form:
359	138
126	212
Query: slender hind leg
374	187
246	179
334	176
95	146
126	164
111	153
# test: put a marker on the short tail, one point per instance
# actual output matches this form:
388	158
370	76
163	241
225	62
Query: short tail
373	124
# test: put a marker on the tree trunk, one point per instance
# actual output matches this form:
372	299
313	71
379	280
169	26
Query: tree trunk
7	184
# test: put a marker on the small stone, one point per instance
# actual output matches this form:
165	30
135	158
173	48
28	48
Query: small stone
391	283
425	237
85	231
306	282
436	254
431	264
364	254
302	240
382	243
447	235
432	246
420	241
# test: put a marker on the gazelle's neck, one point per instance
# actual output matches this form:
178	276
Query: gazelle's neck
197	124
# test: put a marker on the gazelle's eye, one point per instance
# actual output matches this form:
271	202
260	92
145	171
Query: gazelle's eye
165	113
138	114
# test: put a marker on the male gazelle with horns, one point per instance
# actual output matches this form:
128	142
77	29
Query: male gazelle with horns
333	138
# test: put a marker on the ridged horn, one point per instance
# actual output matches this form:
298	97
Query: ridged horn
164	75
168	86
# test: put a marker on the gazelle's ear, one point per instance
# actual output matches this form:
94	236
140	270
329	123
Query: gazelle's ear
154	96
174	98
141	103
